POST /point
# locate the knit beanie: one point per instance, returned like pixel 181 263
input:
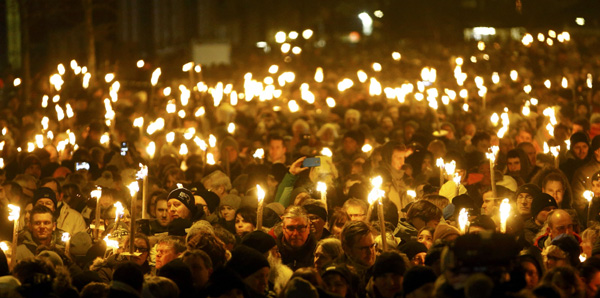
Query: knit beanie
pixel 185 197
pixel 389 262
pixel 412 248
pixel 528 188
pixel 80 243
pixel 259 240
pixel 579 137
pixel 417 277
pixel 246 261
pixel 44 193
pixel 51 256
pixel 232 201
pixel 541 201
pixel 316 210
pixel 276 207
pixel 442 231
pixel 212 199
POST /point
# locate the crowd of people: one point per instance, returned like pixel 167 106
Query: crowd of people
pixel 193 228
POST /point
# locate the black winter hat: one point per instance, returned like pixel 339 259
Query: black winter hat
pixel 579 137
pixel 412 248
pixel 259 240
pixel 389 262
pixel 528 188
pixel 417 277
pixel 184 196
pixel 246 261
pixel 212 199
pixel 541 201
pixel 316 210
pixel 44 193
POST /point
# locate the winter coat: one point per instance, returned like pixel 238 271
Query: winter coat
pixel 69 220
pixel 297 257
pixel 582 182
pixel 27 247
pixel 530 230
pixel 406 231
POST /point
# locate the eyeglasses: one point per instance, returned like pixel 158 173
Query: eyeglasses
pixel 299 228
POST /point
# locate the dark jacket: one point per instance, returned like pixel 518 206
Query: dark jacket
pixel 297 258
pixel 530 230
pixel 406 231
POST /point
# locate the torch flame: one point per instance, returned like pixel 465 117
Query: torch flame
pixel 463 220
pixel 110 243
pixel 321 187
pixel 14 212
pixel 210 159
pixel 439 162
pixel 504 213
pixel 326 152
pixel 97 193
pixel 260 193
pixel 588 195
pixel 120 210
pixel 450 167
pixel 65 237
pixel 134 187
pixel 259 153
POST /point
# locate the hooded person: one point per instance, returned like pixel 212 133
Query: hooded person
pixel 578 154
pixel 532 264
pixel 553 182
pixel 208 201
pixel 230 149
pixel 581 178
pixel 252 267
pixel 396 182
pixel 229 205
pixel 541 205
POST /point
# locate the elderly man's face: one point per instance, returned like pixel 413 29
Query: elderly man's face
pixel 560 225
pixel 296 231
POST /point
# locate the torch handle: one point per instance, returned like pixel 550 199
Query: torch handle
pixel 259 217
pixel 382 224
